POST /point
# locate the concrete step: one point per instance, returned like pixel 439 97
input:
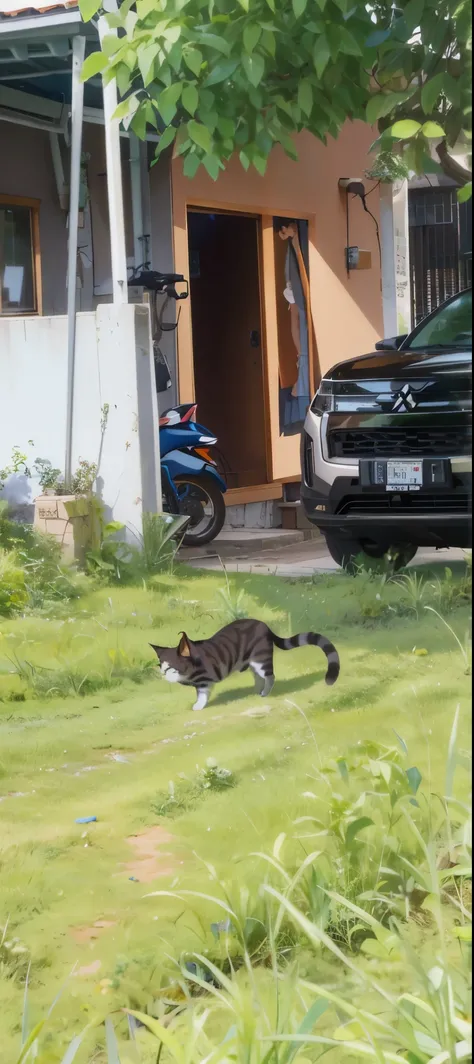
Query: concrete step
pixel 240 542
pixel 293 515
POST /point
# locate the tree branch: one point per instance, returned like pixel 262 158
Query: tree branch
pixel 451 167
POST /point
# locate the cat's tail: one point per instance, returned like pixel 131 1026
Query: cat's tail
pixel 315 640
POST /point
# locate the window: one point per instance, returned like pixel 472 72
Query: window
pixel 20 274
pixel 450 326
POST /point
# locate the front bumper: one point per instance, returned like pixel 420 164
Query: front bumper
pixel 334 499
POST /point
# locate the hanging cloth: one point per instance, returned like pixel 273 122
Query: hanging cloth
pixel 294 401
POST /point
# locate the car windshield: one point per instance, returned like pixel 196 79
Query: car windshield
pixel 450 326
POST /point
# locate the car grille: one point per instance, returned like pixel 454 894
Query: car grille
pixel 450 502
pixel 399 443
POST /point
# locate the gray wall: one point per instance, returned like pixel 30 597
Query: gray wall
pixel 26 169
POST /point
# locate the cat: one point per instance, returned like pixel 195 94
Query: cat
pixel 239 646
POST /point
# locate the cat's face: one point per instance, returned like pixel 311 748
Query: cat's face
pixel 177 664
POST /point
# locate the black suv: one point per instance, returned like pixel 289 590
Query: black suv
pixel 386 447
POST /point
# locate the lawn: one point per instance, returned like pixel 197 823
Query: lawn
pixel 89 729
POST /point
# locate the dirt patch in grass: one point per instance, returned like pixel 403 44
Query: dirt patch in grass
pixel 91 932
pixel 150 860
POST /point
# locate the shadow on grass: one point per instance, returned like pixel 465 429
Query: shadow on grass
pixel 282 687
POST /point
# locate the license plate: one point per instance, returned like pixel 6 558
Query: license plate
pixel 404 476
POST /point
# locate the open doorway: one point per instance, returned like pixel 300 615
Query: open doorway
pixel 227 339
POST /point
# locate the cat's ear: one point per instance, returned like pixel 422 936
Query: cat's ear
pixel 158 650
pixel 184 649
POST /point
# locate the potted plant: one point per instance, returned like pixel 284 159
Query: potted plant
pixel 69 511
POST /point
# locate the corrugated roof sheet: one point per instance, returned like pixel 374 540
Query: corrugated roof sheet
pixel 30 7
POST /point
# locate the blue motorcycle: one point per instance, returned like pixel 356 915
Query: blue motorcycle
pixel 190 481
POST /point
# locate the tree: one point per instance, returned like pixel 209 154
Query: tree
pixel 219 77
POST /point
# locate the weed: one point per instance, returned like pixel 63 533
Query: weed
pixel 13 593
pixel 159 541
pixel 233 605
pixel 414 588
pixel 214 778
pixel 465 648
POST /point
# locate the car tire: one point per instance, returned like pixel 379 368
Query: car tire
pixel 347 552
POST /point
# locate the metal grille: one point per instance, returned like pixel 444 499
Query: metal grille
pixel 447 502
pixel 440 249
pixel 399 443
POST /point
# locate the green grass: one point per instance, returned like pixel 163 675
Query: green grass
pixel 77 690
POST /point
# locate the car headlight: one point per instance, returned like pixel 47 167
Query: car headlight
pixel 344 398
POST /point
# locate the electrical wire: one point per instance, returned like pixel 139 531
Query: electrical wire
pixel 377 230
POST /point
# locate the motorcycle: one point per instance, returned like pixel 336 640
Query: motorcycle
pixel 191 483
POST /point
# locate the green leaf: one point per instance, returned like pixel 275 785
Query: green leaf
pixel 254 67
pixel 356 826
pixel 110 44
pixel 191 165
pixel 260 163
pixel 321 55
pixel 414 778
pixel 379 106
pixel 376 38
pixel 299 7
pixel 138 124
pixel 431 91
pixel 146 58
pixel 412 13
pixel 212 165
pixel 305 97
pixel 200 135
pixel 166 138
pixel 226 127
pixel 405 129
pixel 168 100
pixel 221 71
pixel 190 99
pixel 94 63
pixel 213 40
pixel 465 193
pixel 89 8
pixel 432 129
pixel 193 59
pixel 251 36
pixel 348 43
pixel 127 108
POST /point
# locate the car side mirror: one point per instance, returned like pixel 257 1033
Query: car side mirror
pixel 391 344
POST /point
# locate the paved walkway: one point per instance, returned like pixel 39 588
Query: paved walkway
pixel 294 559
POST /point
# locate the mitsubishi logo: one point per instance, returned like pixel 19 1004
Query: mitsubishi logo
pixel 405 399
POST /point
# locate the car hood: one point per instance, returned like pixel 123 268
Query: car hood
pixel 392 365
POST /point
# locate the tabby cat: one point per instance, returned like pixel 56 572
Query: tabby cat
pixel 239 646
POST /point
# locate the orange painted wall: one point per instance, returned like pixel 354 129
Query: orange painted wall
pixel 347 312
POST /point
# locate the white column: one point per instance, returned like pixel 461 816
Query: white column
pixel 402 256
pixel 114 183
pixel 396 296
pixel 387 239
pixel 77 106
pixel 137 206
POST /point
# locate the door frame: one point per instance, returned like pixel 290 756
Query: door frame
pixel 282 452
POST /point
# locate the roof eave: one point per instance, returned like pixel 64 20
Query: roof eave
pixel 52 23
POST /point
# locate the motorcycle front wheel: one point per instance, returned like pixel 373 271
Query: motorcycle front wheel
pixel 200 499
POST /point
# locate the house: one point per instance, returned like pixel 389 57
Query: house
pixel 66 352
